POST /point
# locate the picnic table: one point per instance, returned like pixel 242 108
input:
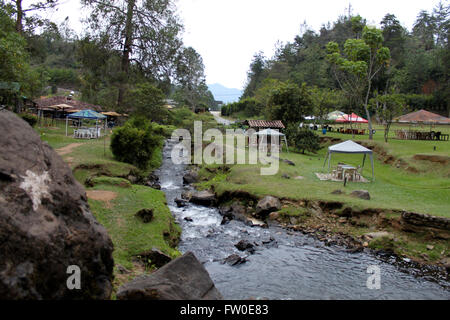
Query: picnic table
pixel 421 135
pixel 351 131
pixel 348 171
pixel 87 133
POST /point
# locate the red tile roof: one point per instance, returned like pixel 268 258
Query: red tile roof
pixel 423 116
pixel 53 101
pixel 265 124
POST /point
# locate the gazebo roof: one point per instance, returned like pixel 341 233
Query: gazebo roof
pixel 348 147
pixel 334 115
pixel 269 132
pixel 87 114
pixel 347 118
pixel 423 116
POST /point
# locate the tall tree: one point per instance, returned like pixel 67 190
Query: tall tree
pixel 144 31
pixel 363 59
pixel 289 103
pixel 424 29
pixel 255 75
pixel 23 7
pixel 191 76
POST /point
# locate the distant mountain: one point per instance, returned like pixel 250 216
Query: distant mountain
pixel 224 94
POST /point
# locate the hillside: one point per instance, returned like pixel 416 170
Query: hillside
pixel 224 94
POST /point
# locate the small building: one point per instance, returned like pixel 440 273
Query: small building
pixel 264 124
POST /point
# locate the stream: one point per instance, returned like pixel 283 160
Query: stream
pixel 291 266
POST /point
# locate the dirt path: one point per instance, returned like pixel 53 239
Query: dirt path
pixel 68 149
pixel 102 195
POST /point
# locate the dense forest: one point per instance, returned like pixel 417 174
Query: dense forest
pixel 351 66
pixel 130 56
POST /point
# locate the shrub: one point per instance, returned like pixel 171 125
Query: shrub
pixel 136 142
pixel 303 139
pixel 32 120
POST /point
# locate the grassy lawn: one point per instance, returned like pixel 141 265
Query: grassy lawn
pixel 427 191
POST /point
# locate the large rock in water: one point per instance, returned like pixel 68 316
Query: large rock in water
pixel 45 223
pixel 267 205
pixel 184 278
pixel 205 198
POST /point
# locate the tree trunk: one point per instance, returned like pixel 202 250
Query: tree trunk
pixel 19 27
pixel 125 65
pixel 367 111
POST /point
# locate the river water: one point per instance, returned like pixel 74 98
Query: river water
pixel 293 266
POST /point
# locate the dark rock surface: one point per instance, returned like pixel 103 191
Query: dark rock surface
pixel 181 202
pixel 289 162
pixel 45 223
pixel 245 245
pixel 145 215
pixel 234 260
pixel 267 205
pixel 184 278
pixel 362 194
pixel 154 257
pixel 190 177
pixel 205 198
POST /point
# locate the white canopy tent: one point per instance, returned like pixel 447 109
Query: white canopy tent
pixel 350 147
pixel 271 132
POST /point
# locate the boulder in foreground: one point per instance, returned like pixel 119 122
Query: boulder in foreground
pixel 184 278
pixel 45 223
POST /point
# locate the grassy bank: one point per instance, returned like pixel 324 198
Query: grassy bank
pixel 114 200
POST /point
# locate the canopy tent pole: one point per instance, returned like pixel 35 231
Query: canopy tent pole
pixel 285 141
pixel 67 121
pixel 326 157
pixel 329 161
pixel 364 160
pixel 373 170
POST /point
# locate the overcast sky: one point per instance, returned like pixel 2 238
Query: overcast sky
pixel 227 33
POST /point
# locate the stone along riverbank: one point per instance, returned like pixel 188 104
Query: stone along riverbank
pixel 252 262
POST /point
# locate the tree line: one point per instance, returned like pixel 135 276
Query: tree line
pixel 130 56
pixel 352 66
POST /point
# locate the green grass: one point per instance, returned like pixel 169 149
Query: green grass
pixel 93 160
pixel 393 188
pixel 129 235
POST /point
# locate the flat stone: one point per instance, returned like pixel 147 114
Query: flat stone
pixel 362 194
pixel 289 162
pixel 205 197
pixel 234 260
pixel 185 278
pixel 378 235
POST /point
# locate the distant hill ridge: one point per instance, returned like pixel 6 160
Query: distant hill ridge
pixel 224 94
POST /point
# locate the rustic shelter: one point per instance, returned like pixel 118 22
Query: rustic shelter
pixel 423 116
pixel 264 124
